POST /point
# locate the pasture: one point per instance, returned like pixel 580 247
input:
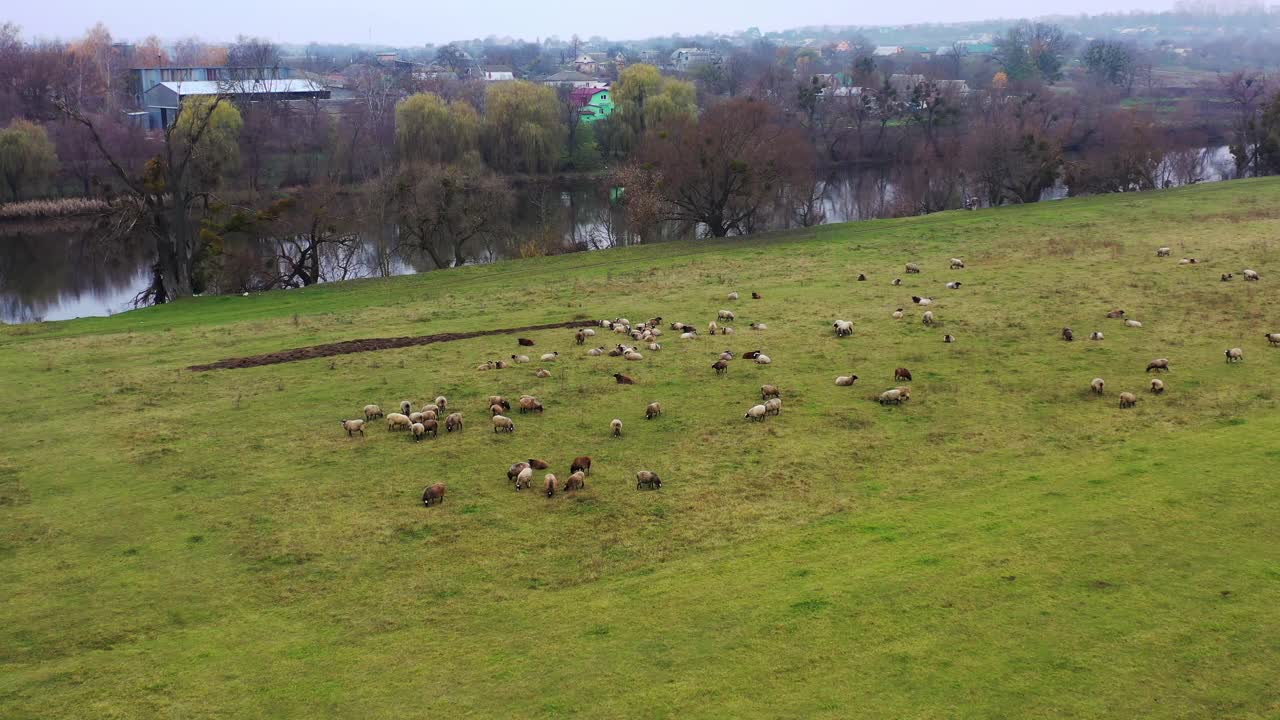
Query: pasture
pixel 1004 544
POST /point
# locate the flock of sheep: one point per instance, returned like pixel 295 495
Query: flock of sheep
pixel 425 422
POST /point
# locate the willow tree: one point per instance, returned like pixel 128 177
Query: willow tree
pixel 523 130
pixel 28 160
pixel 428 129
pixel 197 150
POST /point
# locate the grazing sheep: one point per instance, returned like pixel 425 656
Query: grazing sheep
pixel 756 296
pixel 596 352
pixel 1128 399
pixel 1157 386
pixel 726 330
pixel 579 337
pixel 520 359
pixel 1226 277
pixel 499 400
pixel 756 412
pixel 581 463
pixel 632 355
pixel 1117 313
pixel 1187 261
pixel 957 264
pixel 616 426
pixel 758 326
pixel 896 282
pixel 927 318
pixel 690 335
pixel 453 422
pixel 372 412
pixel 861 277
pixel 496 410
pixel 1158 364
pixel 653 410
pixel 891 396
pixel 525 342
pixel 431 427
pixel 514 470
pixel 648 478
pixel 913 269
pixel 1097 385
pixel 1234 355
pixel 406 407
pixel 538 464
pixel 623 379
pixel 442 403
pixel 712 327
pixel 417 430
pixel 502 423
pixel 1163 252
pixel 901 374
pixel 654 346
pixel 897 314
pixel 768 391
pixel 843 328
pixel 433 494
pixel 1067 334
pixel 524 478
pixel 1132 323
pixel 1095 335
pixel 430 415
pixel 773 406
pixel 576 481
pixel 397 421
pixel 733 296
pixel 725 315
pixel 353 426
pixel 904 393
pixel 550 357
pixel 846 380
pixel 1273 338
pixel 953 285
pixel 415 417
pixel 720 366
pixel 948 338
pixel 762 359
pixel 433 408
pixel 530 404
pixel 1250 274
pixel 542 373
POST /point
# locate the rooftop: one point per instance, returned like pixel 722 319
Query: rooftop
pixel 235 87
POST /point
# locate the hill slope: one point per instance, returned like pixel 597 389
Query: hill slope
pixel 1005 544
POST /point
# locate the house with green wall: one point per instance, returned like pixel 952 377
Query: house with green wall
pixel 592 103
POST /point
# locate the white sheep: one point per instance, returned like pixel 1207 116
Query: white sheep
pixel 726 330
pixel 632 355
pixel 520 358
pixel 763 359
pixel 759 326
pixel 353 426
pixel 773 406
pixel 927 318
pixel 550 357
pixel 418 430
pixel 502 423
pixel 406 407
pixel 843 328
pixel 441 403
pixel 397 421
pixel 372 412
pixel 655 346
pixel 596 352
pixel 1157 386
pixel 1097 385
pixel 1234 355
pixel 1132 323
pixel 588 332
pixel 1163 251
pixel 957 264
pixel 1250 274
pixel 1128 399
pixel 897 314
pixel 542 373
pixel 912 268
pixel 891 396
pixel 756 412
pixel 953 285
pixel 616 426
pixel 524 477
pixel 1095 335
pixel 845 380
pixel 733 296
pixel 948 338
pixel 725 315
pixel 688 336
pixel 712 327
pixel 1273 338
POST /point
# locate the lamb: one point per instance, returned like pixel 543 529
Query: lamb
pixel 756 296
pixel 712 327
pixel 530 404
pixel 1234 355
pixel 948 338
pixel 1158 364
pixel 550 357
pixel 891 396
pixel 957 264
pixel 1132 323
pixel 725 315
pixel 1273 338
pixel 1067 334
pixel 758 326
pixel 502 423
pixel 1128 399
pixel 1095 335
pixel 632 355
pixel 720 366
pixel 756 412
pixel 433 494
pixel 896 282
pixel 1117 313
pixel 897 314
pixel 768 391
pixel 843 328
pixel 499 400
pixel 1163 252
pixel 538 464
pixel 648 478
pixel 861 277
pixel 1250 274
pixel 773 406
pixel 417 430
pixel 397 421
pixel 406 407
pixel 542 373
pixel 520 359
pixel 953 285
pixel 733 296
pixel 372 412
pixel 913 269
pixel 901 374
pixel 616 426
pixel 581 463
pixel 762 359
pixel 653 410
pixel 453 422
pixel 654 346
pixel 623 379
pixel 524 478
pixel 1226 277
pixel 846 380
pixel 1097 385
pixel 1157 386
pixel 524 342
pixel 575 481
pixel 927 318
pixel 353 426
pixel 596 352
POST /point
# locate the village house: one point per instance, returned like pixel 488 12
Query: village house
pixel 573 79
pixel 163 101
pixel 690 59
pixel 498 73
pixel 592 104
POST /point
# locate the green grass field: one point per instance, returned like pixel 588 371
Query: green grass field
pixel 1005 545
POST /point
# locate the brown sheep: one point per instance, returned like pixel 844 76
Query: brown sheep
pixel 623 379
pixel 756 296
pixel 581 463
pixel 499 400
pixel 431 427
pixel 580 337
pixel 768 391
pixel 653 411
pixel 538 464
pixel 513 472
pixel 1067 334
pixel 1158 364
pixel 525 342
pixel 901 374
pixel 496 410
pixel 1157 386
pixel 529 404
pixel 1128 399
pixel 549 484
pixel 1117 313
pixel 720 366
pixel 453 422
pixel 575 482
pixel 433 494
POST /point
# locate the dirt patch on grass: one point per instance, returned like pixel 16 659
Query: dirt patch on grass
pixel 347 347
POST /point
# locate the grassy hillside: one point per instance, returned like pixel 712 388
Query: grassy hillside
pixel 200 545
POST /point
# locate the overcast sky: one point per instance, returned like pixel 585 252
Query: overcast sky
pixel 414 22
